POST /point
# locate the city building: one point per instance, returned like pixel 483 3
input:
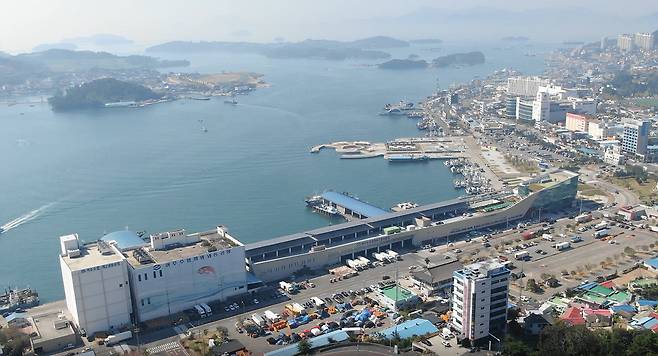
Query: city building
pixel 525 86
pixel 123 279
pixel 635 136
pixel 644 41
pixel 541 107
pixel 524 109
pixel 598 130
pixel 479 300
pixel 396 297
pixel 578 122
pixel 613 156
pixel 625 43
pixel 436 278
pixel 51 332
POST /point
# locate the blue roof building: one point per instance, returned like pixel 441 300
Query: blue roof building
pixel 126 240
pixel 318 341
pixel 353 205
pixel 410 328
pixel 652 263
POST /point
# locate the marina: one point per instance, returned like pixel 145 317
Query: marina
pixel 17 299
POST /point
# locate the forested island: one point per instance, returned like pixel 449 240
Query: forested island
pixel 470 58
pixel 366 48
pixel 404 64
pixel 98 93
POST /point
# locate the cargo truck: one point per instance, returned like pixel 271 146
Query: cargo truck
pixel 318 302
pixel 562 245
pixel 365 261
pixel 522 255
pixel 583 218
pixel 116 338
pixel 601 233
pixel 272 316
pixel 393 254
pixel 600 226
pixel 288 287
pixel 392 230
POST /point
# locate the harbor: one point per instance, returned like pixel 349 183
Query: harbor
pixel 399 150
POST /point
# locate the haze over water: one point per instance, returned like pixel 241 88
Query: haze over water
pixel 154 169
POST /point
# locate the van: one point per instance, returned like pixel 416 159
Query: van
pixel 207 308
pixel 200 311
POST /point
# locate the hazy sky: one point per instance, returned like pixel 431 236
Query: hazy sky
pixel 26 23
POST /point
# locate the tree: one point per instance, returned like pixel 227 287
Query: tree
pixel 561 339
pixel 304 347
pixel 644 343
pixel 629 251
pixel 513 347
pixel 532 285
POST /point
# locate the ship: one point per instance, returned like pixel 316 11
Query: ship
pixel 2 230
pixel 15 299
pixel 407 158
pixel 404 206
pixel 317 203
pixel 401 108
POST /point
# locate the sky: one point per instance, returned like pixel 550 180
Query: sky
pixel 27 23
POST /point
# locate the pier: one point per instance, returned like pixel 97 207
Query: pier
pixel 350 207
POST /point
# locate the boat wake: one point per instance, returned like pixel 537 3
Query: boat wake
pixel 25 218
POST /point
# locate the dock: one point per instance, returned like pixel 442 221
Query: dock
pixel 429 147
pixel 350 207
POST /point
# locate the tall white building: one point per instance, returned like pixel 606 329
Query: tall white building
pixel 96 285
pixel 644 41
pixel 525 86
pixel 635 136
pixel 123 279
pixel 541 107
pixel 479 300
pixel 625 43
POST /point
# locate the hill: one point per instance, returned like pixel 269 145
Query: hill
pixel 366 48
pixel 97 93
pixel 64 60
pixel 469 58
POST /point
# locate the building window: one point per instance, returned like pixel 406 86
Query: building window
pixel 142 302
pixel 154 275
pixel 139 277
pixel 120 285
pixel 160 273
pixel 146 277
pixel 149 300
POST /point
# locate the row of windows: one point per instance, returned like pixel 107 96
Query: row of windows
pixel 146 275
pixel 498 290
pixel 292 265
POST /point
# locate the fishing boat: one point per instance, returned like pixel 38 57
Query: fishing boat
pixel 232 101
pixel 14 299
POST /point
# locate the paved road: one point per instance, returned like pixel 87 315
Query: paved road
pixel 623 198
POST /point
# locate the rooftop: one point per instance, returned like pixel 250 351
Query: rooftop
pixel 126 240
pixel 410 328
pixel 396 293
pixel 90 256
pixel 208 241
pixel 353 204
pixel 482 269
pixel 51 326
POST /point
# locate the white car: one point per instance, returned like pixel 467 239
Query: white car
pixel 445 343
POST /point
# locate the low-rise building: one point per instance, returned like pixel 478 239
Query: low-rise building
pixel 436 278
pixel 631 213
pixel 51 332
pixel 396 297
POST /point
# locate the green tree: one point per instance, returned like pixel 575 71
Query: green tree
pixel 644 342
pixel 513 347
pixel 560 339
pixel 304 347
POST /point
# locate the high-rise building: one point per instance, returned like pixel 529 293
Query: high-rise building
pixel 523 109
pixel 479 300
pixel 577 122
pixel 625 43
pixel 635 137
pixel 541 107
pixel 525 86
pixel 644 41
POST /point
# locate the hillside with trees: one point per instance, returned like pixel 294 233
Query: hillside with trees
pixel 97 93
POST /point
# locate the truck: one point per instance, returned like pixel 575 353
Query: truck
pixel 365 261
pixel 271 316
pixel 116 338
pixel 393 254
pixel 207 308
pixel 576 239
pixel 288 287
pixel 381 257
pixel 583 218
pixel 199 310
pixel 601 233
pixel 258 320
pixel 298 308
pixel 354 264
pixel 600 226
pixel 527 235
pixel 562 245
pixel 318 302
pixel 547 237
pixel 522 255
pixel 392 230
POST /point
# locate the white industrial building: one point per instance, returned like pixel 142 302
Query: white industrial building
pixel 123 279
pixel 479 300
pixel 635 137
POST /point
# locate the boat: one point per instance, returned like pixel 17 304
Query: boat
pixel 200 98
pixel 2 230
pixel 14 299
pixel 204 129
pixel 318 204
pixel 407 158
pixel 404 206
pixel 401 108
pixel 233 101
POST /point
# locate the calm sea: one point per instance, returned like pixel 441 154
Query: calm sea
pixel 154 169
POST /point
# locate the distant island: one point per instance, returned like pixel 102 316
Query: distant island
pixel 366 48
pixel 426 41
pixel 98 93
pixel 573 43
pixel 404 64
pixel 515 38
pixel 469 58
pixel 59 64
